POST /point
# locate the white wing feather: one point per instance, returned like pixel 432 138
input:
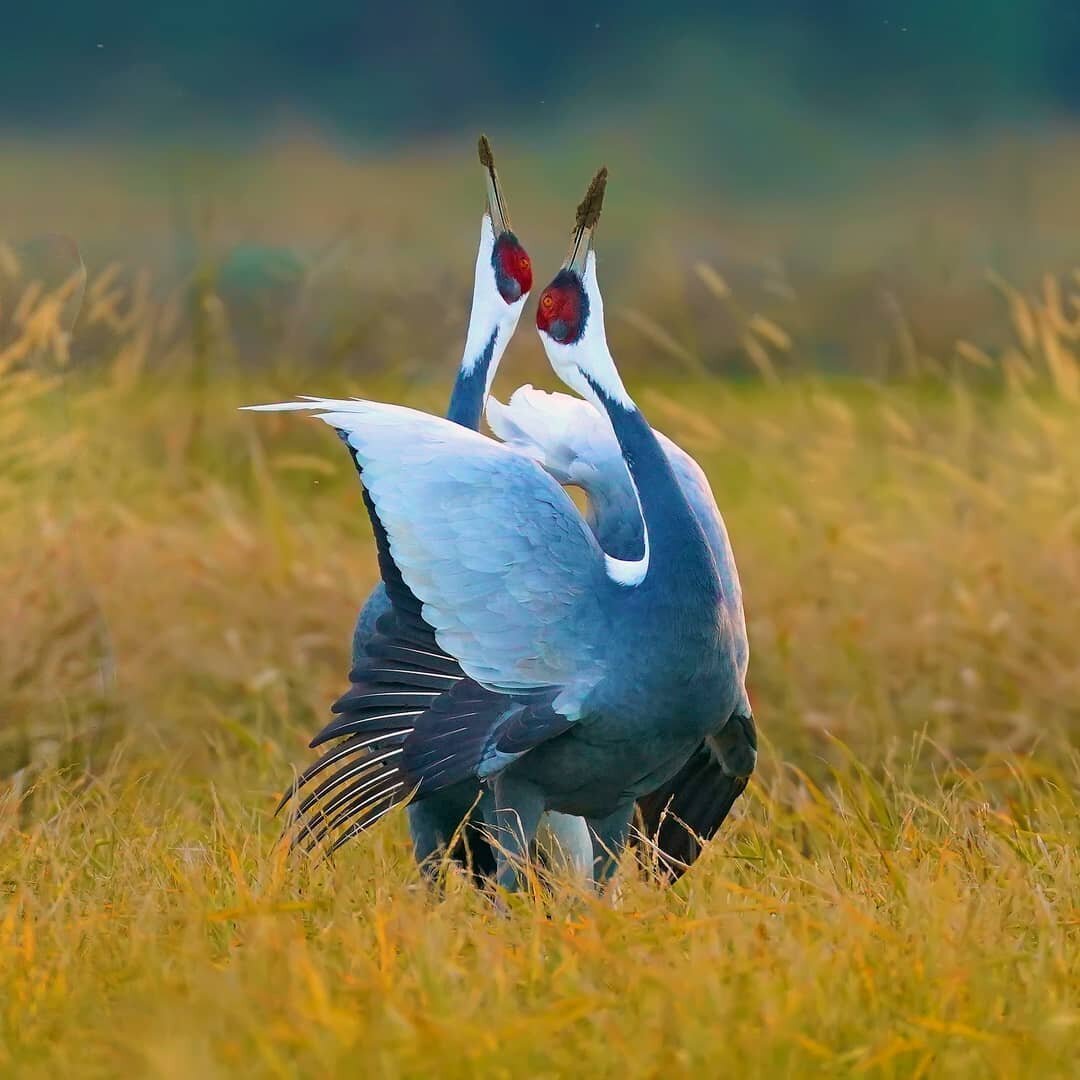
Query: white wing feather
pixel 508 574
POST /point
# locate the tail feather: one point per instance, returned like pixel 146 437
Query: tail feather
pixel 687 811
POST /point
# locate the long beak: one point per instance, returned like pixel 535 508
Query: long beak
pixel 588 216
pixel 496 201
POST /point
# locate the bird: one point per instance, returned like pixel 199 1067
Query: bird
pixel 676 818
pixel 574 443
pixel 502 281
pixel 516 650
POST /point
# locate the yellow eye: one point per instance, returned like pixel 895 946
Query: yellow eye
pixel 548 302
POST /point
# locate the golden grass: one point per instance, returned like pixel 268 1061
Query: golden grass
pixel 897 895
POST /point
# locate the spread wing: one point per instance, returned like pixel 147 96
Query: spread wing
pixel 496 625
pixel 505 569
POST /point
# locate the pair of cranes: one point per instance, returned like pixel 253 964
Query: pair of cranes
pixel 521 667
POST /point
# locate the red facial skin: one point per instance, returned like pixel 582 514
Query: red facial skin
pixel 513 268
pixel 563 309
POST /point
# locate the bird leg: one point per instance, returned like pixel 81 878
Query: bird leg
pixel 566 844
pixel 610 835
pixel 519 806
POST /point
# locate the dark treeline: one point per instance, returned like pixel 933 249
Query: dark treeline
pixel 420 67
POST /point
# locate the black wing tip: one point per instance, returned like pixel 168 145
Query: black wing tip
pixel 487 158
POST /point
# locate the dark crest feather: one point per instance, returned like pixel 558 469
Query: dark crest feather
pixel 588 211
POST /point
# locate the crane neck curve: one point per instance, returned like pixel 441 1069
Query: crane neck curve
pixel 674 541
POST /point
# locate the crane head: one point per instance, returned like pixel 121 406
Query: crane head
pixel 510 262
pixel 564 305
pixel 563 309
pixel 570 318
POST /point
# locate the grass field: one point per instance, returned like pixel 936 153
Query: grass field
pixel 898 895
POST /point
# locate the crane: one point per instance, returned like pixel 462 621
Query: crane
pixel 575 444
pixel 516 650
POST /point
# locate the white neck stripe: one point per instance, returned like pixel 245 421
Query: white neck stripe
pixel 583 366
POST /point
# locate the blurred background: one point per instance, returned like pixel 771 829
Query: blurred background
pixel 845 168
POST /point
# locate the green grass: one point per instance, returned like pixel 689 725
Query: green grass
pixel 896 896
